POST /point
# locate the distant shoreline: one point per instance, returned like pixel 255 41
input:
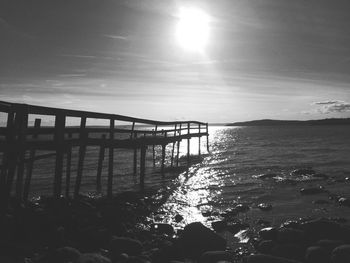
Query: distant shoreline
pixel 269 122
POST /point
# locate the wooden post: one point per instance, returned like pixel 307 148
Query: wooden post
pixel 207 137
pixel 68 166
pixel 143 166
pixel 188 143
pixel 153 149
pixel 8 162
pixel 110 160
pixel 134 135
pixel 178 147
pixel 82 150
pixel 163 158
pixel 199 140
pixel 30 164
pixel 60 122
pixel 101 157
pixel 21 123
pixel 172 151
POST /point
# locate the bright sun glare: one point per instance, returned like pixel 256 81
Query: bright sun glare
pixel 192 31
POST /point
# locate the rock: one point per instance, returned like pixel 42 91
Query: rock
pixel 93 258
pixel 265 207
pixel 268 233
pixel 303 171
pixel 262 258
pixel 134 259
pixel 236 227
pixel 67 254
pixel 214 257
pixel 290 235
pixel 313 190
pixel 316 254
pixel 168 253
pixel 219 226
pixel 341 254
pixel 266 176
pixel 263 222
pixel 290 251
pixel 329 245
pixel 119 245
pixel 197 239
pixel 325 229
pixel 161 228
pixel 266 246
pixel 206 213
pixel 242 208
pixel 291 224
pixel 344 201
pixel 178 218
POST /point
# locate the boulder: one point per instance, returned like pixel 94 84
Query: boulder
pixel 268 233
pixel 302 171
pixel 66 254
pixel 219 226
pixel 197 239
pixel 290 235
pixel 262 258
pixel 265 176
pixel 325 229
pixel 265 246
pixel 344 201
pixel 162 228
pixel 265 207
pixel 119 245
pixel 93 258
pixel 328 244
pixel 290 251
pixel 214 256
pixel 316 254
pixel 341 254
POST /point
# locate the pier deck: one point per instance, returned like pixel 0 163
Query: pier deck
pixel 23 136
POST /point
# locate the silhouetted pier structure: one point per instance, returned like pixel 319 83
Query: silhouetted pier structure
pixel 20 143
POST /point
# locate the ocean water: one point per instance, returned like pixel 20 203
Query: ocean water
pixel 229 175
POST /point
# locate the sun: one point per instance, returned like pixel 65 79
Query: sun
pixel 192 30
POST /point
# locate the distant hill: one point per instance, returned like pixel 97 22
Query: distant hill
pixel 267 122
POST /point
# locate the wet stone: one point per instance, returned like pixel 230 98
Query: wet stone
pixel 303 171
pixel 263 222
pixel 93 258
pixel 162 228
pixel 316 254
pixel 266 246
pixel 242 208
pixel 197 239
pixel 262 258
pixel 290 251
pixel 344 201
pixel 341 254
pixel 265 207
pixel 120 245
pixel 266 176
pixel 219 226
pixel 214 257
pixel 320 202
pixel 290 235
pixel 268 233
pixel 178 218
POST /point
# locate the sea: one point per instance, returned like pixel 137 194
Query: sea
pixel 231 173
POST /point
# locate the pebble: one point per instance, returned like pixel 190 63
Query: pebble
pixel 265 207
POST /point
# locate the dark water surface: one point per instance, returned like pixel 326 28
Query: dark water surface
pixel 230 173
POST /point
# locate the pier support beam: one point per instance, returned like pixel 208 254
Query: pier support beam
pixel 82 150
pixel 188 144
pixel 60 123
pixel 163 159
pixel 110 160
pixel 101 157
pixel 143 166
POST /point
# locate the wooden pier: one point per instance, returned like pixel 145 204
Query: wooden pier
pixel 20 143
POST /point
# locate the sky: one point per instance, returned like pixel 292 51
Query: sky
pixel 276 59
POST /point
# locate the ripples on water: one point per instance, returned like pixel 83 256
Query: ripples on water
pixel 228 175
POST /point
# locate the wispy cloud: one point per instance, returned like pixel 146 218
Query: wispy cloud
pixel 116 37
pixel 333 106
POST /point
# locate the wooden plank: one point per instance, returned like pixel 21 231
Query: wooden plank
pixel 153 147
pixel 188 144
pixel 178 148
pixel 60 123
pixel 173 149
pixel 30 163
pixel 110 160
pixel 101 157
pixel 82 151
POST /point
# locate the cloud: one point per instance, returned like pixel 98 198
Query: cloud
pixel 333 106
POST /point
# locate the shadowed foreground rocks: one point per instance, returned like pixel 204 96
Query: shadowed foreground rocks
pixel 118 230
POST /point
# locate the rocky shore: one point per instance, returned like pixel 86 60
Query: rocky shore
pixel 119 230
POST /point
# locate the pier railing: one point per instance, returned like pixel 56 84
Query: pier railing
pixel 20 140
